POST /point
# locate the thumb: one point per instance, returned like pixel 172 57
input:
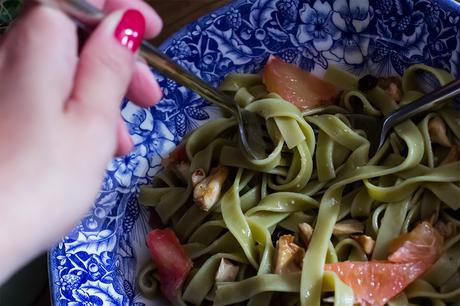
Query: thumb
pixel 106 66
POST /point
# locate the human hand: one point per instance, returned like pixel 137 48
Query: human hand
pixel 59 118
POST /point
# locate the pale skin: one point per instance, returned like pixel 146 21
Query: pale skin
pixel 60 121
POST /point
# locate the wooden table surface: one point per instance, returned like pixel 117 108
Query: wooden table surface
pixel 177 13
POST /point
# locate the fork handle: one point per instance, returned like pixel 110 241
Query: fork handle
pixel 87 16
pixel 169 68
pixel 424 103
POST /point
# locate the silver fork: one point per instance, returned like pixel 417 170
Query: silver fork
pixel 251 126
pixel 377 130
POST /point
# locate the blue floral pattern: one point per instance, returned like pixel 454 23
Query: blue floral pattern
pixel 96 264
pixel 317 27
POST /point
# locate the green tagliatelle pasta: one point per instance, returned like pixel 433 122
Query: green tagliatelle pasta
pixel 317 171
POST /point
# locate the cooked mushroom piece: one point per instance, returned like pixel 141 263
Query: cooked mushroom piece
pixel 394 92
pixel 438 132
pixel 305 233
pixel 348 227
pixel 177 162
pixel 366 242
pixel 227 271
pixel 392 86
pixel 197 176
pixel 207 192
pixel 288 255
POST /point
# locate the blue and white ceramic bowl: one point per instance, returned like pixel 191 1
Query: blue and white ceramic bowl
pixel 97 263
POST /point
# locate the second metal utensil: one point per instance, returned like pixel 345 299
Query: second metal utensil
pixel 377 129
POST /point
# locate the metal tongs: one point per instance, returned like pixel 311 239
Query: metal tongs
pixel 250 125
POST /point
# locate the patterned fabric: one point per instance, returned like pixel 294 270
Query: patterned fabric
pixel 97 263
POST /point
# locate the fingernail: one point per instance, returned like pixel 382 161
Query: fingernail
pixel 130 30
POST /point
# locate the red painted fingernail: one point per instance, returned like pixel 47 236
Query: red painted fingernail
pixel 130 30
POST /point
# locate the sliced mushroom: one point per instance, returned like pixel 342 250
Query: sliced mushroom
pixel 366 242
pixel 288 256
pixel 305 233
pixel 394 92
pixel 392 86
pixel 438 132
pixel 177 161
pixel 348 227
pixel 207 192
pixel 197 176
pixel 227 271
pixel 452 156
